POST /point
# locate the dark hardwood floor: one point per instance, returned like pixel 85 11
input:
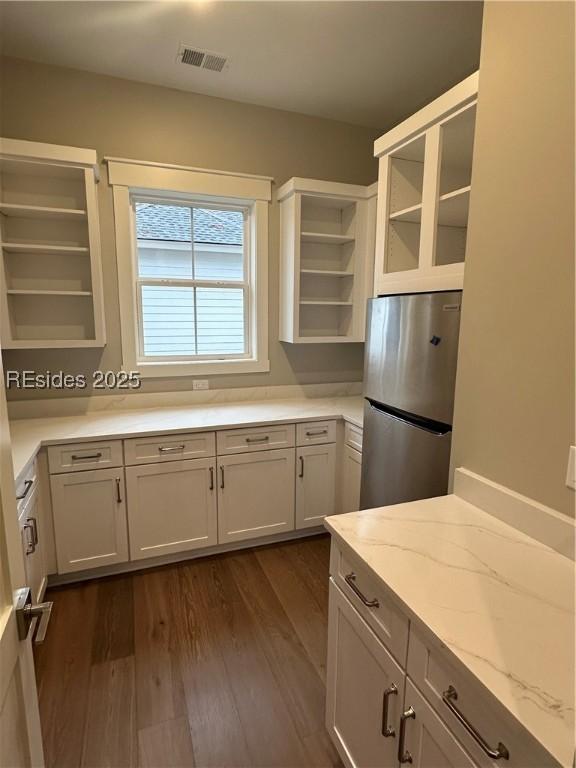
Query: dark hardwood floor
pixel 214 662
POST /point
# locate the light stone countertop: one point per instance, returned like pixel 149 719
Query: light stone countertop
pixel 500 601
pixel 29 434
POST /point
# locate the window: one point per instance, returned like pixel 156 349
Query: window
pixel 193 281
pixel 192 271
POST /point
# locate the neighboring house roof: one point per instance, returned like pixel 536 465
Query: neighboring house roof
pixel 172 222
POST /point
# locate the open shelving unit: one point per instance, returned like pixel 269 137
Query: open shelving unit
pixel 50 275
pixel 326 252
pixel 425 169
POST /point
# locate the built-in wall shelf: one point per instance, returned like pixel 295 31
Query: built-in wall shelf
pixel 325 237
pixel 327 251
pixel 43 248
pixel 412 214
pixel 424 178
pixel 25 292
pixel 41 212
pixel 50 271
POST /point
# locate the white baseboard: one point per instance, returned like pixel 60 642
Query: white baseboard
pixel 532 518
pixel 119 401
pixel 59 579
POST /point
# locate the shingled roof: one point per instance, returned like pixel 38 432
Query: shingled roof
pixel 172 222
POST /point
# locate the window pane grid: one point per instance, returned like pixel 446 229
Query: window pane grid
pixel 192 286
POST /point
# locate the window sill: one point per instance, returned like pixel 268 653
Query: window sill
pixel 201 368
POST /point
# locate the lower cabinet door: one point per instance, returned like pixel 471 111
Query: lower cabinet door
pixel 89 519
pixel 315 484
pixel 362 707
pixel 351 475
pixel 255 494
pixel 32 529
pixel 171 507
pixel 426 741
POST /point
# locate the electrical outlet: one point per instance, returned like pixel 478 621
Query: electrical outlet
pixel 201 384
pixel 571 471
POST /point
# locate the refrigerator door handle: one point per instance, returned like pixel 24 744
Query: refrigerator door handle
pixel 434 427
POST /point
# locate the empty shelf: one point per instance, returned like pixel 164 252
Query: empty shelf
pixel 40 292
pixel 327 303
pixel 453 208
pixel 322 237
pixel 412 214
pixel 41 248
pixel 41 212
pixel 327 272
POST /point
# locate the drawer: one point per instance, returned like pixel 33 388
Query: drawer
pixel 371 601
pixel 436 676
pixel 316 432
pixel 255 439
pixel 75 457
pixel 151 450
pixel 353 436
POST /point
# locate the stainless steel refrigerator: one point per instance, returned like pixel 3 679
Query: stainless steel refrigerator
pixel 409 379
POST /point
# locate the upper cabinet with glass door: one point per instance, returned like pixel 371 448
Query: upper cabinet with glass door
pixel 425 168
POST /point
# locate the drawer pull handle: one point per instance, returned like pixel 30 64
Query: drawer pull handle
pixel 118 494
pixel 170 448
pixel 29 535
pixel 301 473
pixel 317 433
pixel 404 756
pixel 211 470
pixel 27 485
pixel 258 439
pixel 78 457
pixel 34 523
pixel 387 730
pixel 501 752
pixel 221 477
pixel 350 579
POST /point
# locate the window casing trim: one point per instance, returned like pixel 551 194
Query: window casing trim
pixel 256 223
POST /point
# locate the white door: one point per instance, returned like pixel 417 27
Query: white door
pixel 365 690
pixel 427 742
pixel 255 494
pixel 20 735
pixel 171 507
pixel 351 475
pixel 89 511
pixel 315 484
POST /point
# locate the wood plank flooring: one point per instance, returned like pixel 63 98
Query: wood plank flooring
pixel 214 662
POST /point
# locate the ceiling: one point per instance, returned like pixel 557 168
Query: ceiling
pixel 368 63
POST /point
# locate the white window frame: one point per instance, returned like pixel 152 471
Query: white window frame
pixel 133 182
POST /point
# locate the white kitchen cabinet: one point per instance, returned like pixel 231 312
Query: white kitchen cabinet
pixel 50 276
pixel 89 511
pixel 171 507
pixel 255 494
pixel 351 477
pixel 424 182
pixel 31 524
pixel 365 690
pixel 327 235
pixel 425 741
pixel 315 484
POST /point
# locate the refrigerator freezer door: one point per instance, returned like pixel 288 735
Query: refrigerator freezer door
pixel 401 462
pixel 411 352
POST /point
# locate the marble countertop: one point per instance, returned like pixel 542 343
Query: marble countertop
pixel 444 559
pixel 29 434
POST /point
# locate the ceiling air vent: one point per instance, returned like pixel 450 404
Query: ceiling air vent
pixel 194 57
